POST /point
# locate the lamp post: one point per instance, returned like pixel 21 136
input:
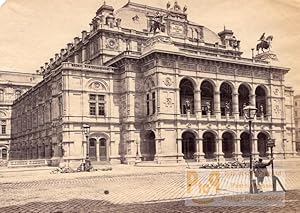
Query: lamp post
pixel 249 114
pixel 271 144
pixel 86 129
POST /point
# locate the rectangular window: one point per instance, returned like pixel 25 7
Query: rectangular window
pixel 101 109
pixel 92 108
pixel 148 104
pixel 97 104
pixel 153 103
pixel 3 127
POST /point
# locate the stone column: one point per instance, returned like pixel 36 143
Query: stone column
pixel 255 152
pixel 238 153
pixel 0 153
pixel 269 108
pixel 97 150
pixel 199 150
pixel 220 153
pixel 197 98
pixel 217 110
pixel 179 150
pixel 177 102
pixel 252 98
pixel 76 58
pixel 84 56
pixel 235 105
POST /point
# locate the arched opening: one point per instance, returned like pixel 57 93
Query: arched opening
pixel 188 145
pixel 209 145
pixel 261 100
pixel 4 154
pixel 262 140
pixel 244 94
pixel 103 149
pixel 207 98
pixel 228 144
pixel 92 149
pixel 186 96
pixel 245 144
pixel 226 99
pixel 149 149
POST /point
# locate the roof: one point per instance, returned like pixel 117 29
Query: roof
pixel 134 16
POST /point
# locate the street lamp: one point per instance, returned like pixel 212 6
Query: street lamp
pixel 249 114
pixel 86 129
pixel 271 144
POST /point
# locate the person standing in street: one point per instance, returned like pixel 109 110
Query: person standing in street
pixel 261 171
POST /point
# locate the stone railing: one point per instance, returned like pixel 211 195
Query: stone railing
pixel 27 163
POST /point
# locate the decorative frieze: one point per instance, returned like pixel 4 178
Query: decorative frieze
pixel 227 70
pixel 244 72
pixel 187 66
pixel 148 66
pixel 169 64
pixel 168 82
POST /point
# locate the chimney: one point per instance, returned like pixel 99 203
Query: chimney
pixel 46 65
pixel 91 27
pixel 42 69
pixel 62 52
pixel 56 56
pixel 69 45
pixel 51 60
pixel 83 34
pixel 76 40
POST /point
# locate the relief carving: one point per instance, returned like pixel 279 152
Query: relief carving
pixel 168 82
pixel 111 43
pixel 97 86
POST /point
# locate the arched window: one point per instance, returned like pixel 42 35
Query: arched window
pixel 186 96
pixel 243 98
pixel 207 98
pixel 226 96
pixel 261 101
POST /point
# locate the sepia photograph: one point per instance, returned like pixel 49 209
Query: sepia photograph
pixel 141 106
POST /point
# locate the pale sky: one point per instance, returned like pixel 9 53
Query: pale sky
pixel 32 31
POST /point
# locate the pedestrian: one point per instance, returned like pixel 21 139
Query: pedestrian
pixel 261 171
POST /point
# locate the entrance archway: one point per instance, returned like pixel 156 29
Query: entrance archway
pixel 188 145
pixel 209 145
pixel 228 144
pixel 262 140
pixel 149 148
pixel 92 149
pixel 103 149
pixel 245 144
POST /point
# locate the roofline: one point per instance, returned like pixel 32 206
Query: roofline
pixel 20 73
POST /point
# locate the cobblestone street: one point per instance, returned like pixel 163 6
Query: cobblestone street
pixel 131 189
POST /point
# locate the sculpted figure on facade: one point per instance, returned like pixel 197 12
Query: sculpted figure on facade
pixel 157 23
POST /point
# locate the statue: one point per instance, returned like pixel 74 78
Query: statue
pixel 176 6
pixel 184 9
pixel 265 43
pixel 188 105
pixel 157 23
pixel 168 5
pixel 227 107
pixel 234 43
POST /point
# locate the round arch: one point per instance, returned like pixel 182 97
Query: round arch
pixel 148 146
pixel 209 144
pixel 207 88
pixel 245 143
pixel 244 92
pixel 262 140
pixel 188 144
pixel 228 144
pixel 226 90
pixel 261 94
pixel 187 88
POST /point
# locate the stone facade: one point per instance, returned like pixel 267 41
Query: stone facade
pixel 12 86
pixel 297 121
pixel 152 96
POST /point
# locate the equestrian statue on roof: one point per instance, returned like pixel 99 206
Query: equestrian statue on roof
pixel 265 43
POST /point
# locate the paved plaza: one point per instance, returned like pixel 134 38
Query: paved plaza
pixel 130 189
